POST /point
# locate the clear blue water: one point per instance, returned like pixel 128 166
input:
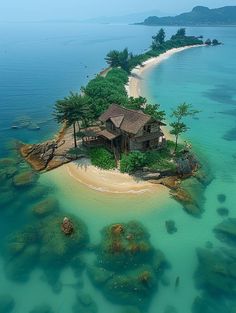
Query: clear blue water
pixel 41 63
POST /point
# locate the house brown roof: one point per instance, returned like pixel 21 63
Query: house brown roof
pixel 131 122
pixel 117 120
pixel 109 135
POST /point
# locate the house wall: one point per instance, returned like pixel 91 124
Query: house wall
pixel 135 145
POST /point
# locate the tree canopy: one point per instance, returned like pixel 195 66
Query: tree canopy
pixel 158 39
pixel 72 109
pixel 178 126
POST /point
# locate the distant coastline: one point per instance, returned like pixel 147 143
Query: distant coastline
pixel 199 16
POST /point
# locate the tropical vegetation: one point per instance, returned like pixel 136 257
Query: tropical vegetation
pixel 83 110
pixel 178 127
pixel 72 110
pixel 102 158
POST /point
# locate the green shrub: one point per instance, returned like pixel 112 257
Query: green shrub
pixel 102 158
pixel 132 162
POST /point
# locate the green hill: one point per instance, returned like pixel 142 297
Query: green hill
pixel 199 16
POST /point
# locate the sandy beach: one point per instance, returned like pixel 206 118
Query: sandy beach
pixel 133 87
pixel 111 181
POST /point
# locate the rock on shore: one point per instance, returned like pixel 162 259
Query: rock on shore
pixel 50 154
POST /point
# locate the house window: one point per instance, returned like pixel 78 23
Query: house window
pixel 147 128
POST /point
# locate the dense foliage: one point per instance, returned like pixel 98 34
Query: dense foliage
pixel 102 158
pixel 103 91
pixel 133 161
pixel 158 46
pixel 154 160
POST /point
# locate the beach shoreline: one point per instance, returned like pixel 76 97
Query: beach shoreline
pixel 109 181
pixel 112 181
pixel 133 86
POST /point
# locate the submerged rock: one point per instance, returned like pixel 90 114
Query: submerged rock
pixel 226 231
pixel 45 207
pixel 7 303
pixel 191 195
pixel 24 179
pixel 207 304
pixel 20 267
pixel 7 162
pixel 170 227
pixel 43 244
pixel 221 198
pixel 215 273
pixel 127 268
pixel 223 211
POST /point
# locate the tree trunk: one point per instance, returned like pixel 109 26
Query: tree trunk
pixel 75 142
pixel 176 143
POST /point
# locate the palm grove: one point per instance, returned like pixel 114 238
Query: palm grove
pixel 83 109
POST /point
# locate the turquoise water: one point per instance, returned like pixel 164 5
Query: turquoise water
pixel 41 63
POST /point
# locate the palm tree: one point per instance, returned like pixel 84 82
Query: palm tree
pixel 117 58
pixel 71 110
pixel 112 58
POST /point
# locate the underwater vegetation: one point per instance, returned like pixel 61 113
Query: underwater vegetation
pixel 127 268
pixel 216 272
pixel 44 244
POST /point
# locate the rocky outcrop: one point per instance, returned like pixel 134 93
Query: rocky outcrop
pixel 50 154
pixel 186 164
pixel 67 226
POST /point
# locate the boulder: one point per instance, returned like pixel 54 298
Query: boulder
pixel 151 176
pixel 186 164
pixel 39 155
pixel 67 226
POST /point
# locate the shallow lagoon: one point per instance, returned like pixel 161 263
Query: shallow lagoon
pixel 199 84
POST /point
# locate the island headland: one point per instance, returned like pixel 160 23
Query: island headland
pixel 111 130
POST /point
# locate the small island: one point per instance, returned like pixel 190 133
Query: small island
pixel 116 131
